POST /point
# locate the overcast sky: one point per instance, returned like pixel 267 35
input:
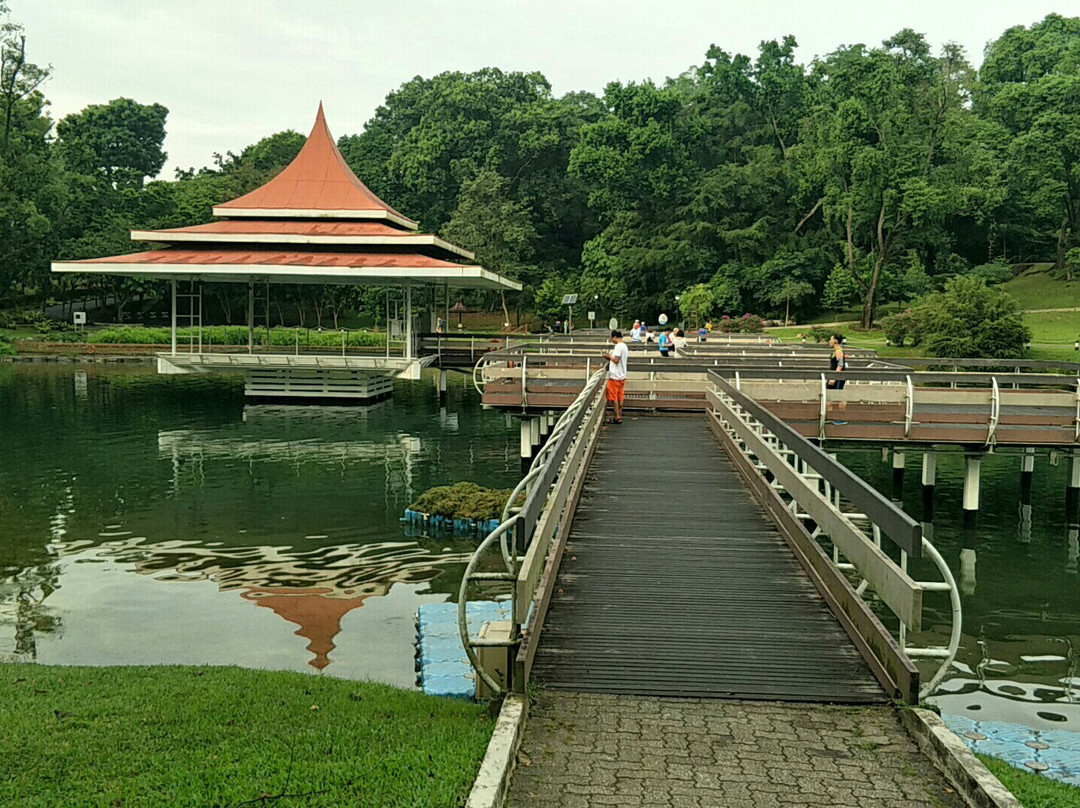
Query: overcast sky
pixel 233 71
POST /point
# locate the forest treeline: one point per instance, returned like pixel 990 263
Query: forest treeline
pixel 747 183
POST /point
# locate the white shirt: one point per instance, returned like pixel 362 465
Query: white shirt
pixel 617 369
pixel 635 334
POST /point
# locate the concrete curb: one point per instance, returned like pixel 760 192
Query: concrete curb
pixel 489 788
pixel 974 782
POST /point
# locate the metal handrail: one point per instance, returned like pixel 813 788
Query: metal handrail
pixel 896 524
pixel 818 468
pixel 537 483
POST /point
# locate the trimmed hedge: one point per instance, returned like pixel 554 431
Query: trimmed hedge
pixel 235 335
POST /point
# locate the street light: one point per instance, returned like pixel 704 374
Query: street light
pixel 569 301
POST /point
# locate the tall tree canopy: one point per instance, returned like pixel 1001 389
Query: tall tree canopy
pixel 746 183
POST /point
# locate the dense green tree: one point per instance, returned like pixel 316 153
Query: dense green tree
pixel 888 150
pixel 499 230
pixel 122 141
pixel 1029 89
pixel 31 184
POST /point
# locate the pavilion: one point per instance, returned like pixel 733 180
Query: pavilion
pixel 314 223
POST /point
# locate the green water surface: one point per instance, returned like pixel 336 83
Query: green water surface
pixel 155 519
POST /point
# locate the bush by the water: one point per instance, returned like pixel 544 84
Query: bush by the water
pixel 462 501
pixel 235 335
pixel 968 319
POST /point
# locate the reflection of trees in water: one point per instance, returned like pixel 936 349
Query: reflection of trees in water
pixel 23 609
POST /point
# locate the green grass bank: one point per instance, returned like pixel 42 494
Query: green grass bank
pixel 1032 790
pixel 152 736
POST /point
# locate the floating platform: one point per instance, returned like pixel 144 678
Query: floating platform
pixel 1054 753
pixel 441 664
pixel 447 525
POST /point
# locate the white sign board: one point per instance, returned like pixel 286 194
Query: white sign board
pixel 80 317
pixel 662 318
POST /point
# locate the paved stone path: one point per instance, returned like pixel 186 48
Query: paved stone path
pixel 585 750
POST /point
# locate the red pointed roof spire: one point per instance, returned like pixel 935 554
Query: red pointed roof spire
pixel 317 184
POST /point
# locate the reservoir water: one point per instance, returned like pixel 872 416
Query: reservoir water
pixel 148 519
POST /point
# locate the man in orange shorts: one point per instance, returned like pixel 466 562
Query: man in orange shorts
pixel 616 375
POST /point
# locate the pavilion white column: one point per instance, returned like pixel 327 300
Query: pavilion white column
pixel 408 323
pixel 251 316
pixel 174 317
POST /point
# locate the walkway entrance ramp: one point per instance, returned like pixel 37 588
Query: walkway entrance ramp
pixel 675 584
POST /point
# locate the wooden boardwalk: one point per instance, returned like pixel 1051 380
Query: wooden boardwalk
pixel 675 584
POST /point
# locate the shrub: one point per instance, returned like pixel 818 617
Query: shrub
pixel 23 317
pixel 5 346
pixel 900 329
pixel 462 501
pixel 970 319
pixel 993 273
pixel 820 333
pixel 747 324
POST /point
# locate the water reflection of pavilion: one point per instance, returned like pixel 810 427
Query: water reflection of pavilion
pixel 313 589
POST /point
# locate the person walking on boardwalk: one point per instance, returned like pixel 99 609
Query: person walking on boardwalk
pixel 616 374
pixel 837 362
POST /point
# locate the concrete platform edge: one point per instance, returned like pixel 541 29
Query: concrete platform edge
pixel 974 782
pixel 493 780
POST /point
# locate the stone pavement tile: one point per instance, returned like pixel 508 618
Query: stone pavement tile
pixel 587 750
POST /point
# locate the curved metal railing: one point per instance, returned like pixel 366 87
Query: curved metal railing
pixel 515 531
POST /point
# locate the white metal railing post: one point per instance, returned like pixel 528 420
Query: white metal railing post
pixel 995 411
pixel 823 409
pixel 909 409
pixel 173 329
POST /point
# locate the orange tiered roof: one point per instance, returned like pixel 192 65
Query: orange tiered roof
pixel 314 222
pixel 318 183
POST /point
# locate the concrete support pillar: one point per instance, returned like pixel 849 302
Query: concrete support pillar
pixel 972 466
pixel 526 444
pixel 898 461
pixel 534 433
pixel 929 481
pixel 1072 492
pixel 545 428
pixel 442 386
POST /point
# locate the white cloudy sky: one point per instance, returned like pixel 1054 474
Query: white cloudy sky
pixel 232 71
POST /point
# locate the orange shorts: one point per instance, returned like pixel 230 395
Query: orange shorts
pixel 616 389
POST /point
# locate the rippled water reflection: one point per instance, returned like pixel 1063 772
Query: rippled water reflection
pixel 1020 651
pixel 148 519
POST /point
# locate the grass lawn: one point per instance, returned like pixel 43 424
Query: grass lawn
pixel 1036 288
pixel 1032 790
pixel 132 736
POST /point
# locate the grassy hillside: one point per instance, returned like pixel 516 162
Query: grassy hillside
pixel 1037 288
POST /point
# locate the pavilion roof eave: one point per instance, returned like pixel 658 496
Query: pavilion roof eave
pixel 406 239
pixel 314 213
pixel 457 276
